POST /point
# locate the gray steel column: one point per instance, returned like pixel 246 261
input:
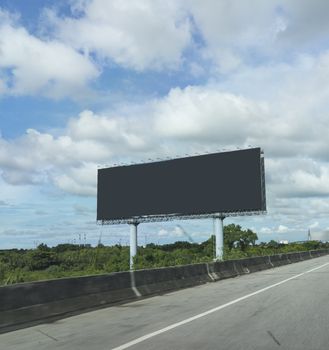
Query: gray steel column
pixel 133 243
pixel 219 235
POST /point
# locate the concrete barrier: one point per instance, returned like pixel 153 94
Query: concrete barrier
pixel 323 252
pixel 28 302
pixel 23 303
pixel 279 260
pixel 155 281
pixel 224 269
pixel 314 253
pixel 294 257
pixel 305 255
pixel 255 264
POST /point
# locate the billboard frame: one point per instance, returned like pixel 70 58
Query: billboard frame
pixel 171 217
pixel 161 218
pixel 218 218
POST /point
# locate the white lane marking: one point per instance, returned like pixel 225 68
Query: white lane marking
pixel 203 314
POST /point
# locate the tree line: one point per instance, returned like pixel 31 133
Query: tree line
pixel 66 260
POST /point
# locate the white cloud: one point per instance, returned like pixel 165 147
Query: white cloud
pixel 138 35
pixel 70 160
pixel 268 70
pixel 31 66
pixel 299 12
pixel 78 180
pixel 194 119
pixel 13 194
pixel 207 114
pixel 163 232
pixel 282 229
pixel 266 230
pixel 239 33
pixel 177 232
pixel 273 106
pixel 314 225
pixel 231 27
pixel 298 177
pixel 320 235
pixel 311 184
pixel 161 35
pixel 91 127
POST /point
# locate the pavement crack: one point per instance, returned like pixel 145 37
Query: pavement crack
pixel 47 335
pixel 273 337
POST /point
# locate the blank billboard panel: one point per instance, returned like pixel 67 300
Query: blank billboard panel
pixel 212 183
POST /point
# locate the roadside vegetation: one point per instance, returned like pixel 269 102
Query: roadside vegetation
pixel 66 260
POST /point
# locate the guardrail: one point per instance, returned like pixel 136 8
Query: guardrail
pixel 24 304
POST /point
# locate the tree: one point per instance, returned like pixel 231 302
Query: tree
pixel 247 238
pixel 41 259
pixel 43 247
pixel 273 244
pixel 234 236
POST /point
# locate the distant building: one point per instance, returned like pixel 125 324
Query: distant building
pixel 284 241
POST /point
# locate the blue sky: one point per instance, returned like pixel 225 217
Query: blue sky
pixel 85 83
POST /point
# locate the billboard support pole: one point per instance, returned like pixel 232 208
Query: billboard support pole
pixel 133 242
pixel 219 235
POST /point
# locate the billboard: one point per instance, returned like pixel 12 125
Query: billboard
pixel 223 182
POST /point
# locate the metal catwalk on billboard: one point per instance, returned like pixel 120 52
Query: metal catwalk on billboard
pixel 161 218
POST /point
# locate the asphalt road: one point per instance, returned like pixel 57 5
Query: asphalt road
pixel 281 308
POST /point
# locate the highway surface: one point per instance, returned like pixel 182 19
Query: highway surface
pixel 282 308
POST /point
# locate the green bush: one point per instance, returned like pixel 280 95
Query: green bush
pixel 66 260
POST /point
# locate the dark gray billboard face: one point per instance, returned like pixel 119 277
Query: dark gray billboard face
pixel 213 183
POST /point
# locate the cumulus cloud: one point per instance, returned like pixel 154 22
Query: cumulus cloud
pixel 70 160
pixel 314 225
pixel 193 119
pixel 174 233
pixel 115 131
pixel 32 66
pixel 158 35
pixel 228 30
pixel 265 230
pixel 298 177
pixel 154 35
pixel 282 229
pixel 320 235
pixel 78 180
pixel 271 104
pixel 312 184
pixel 236 33
pixel 296 13
pixel 200 114
pixel 163 232
pixel 137 35
pixel 267 66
